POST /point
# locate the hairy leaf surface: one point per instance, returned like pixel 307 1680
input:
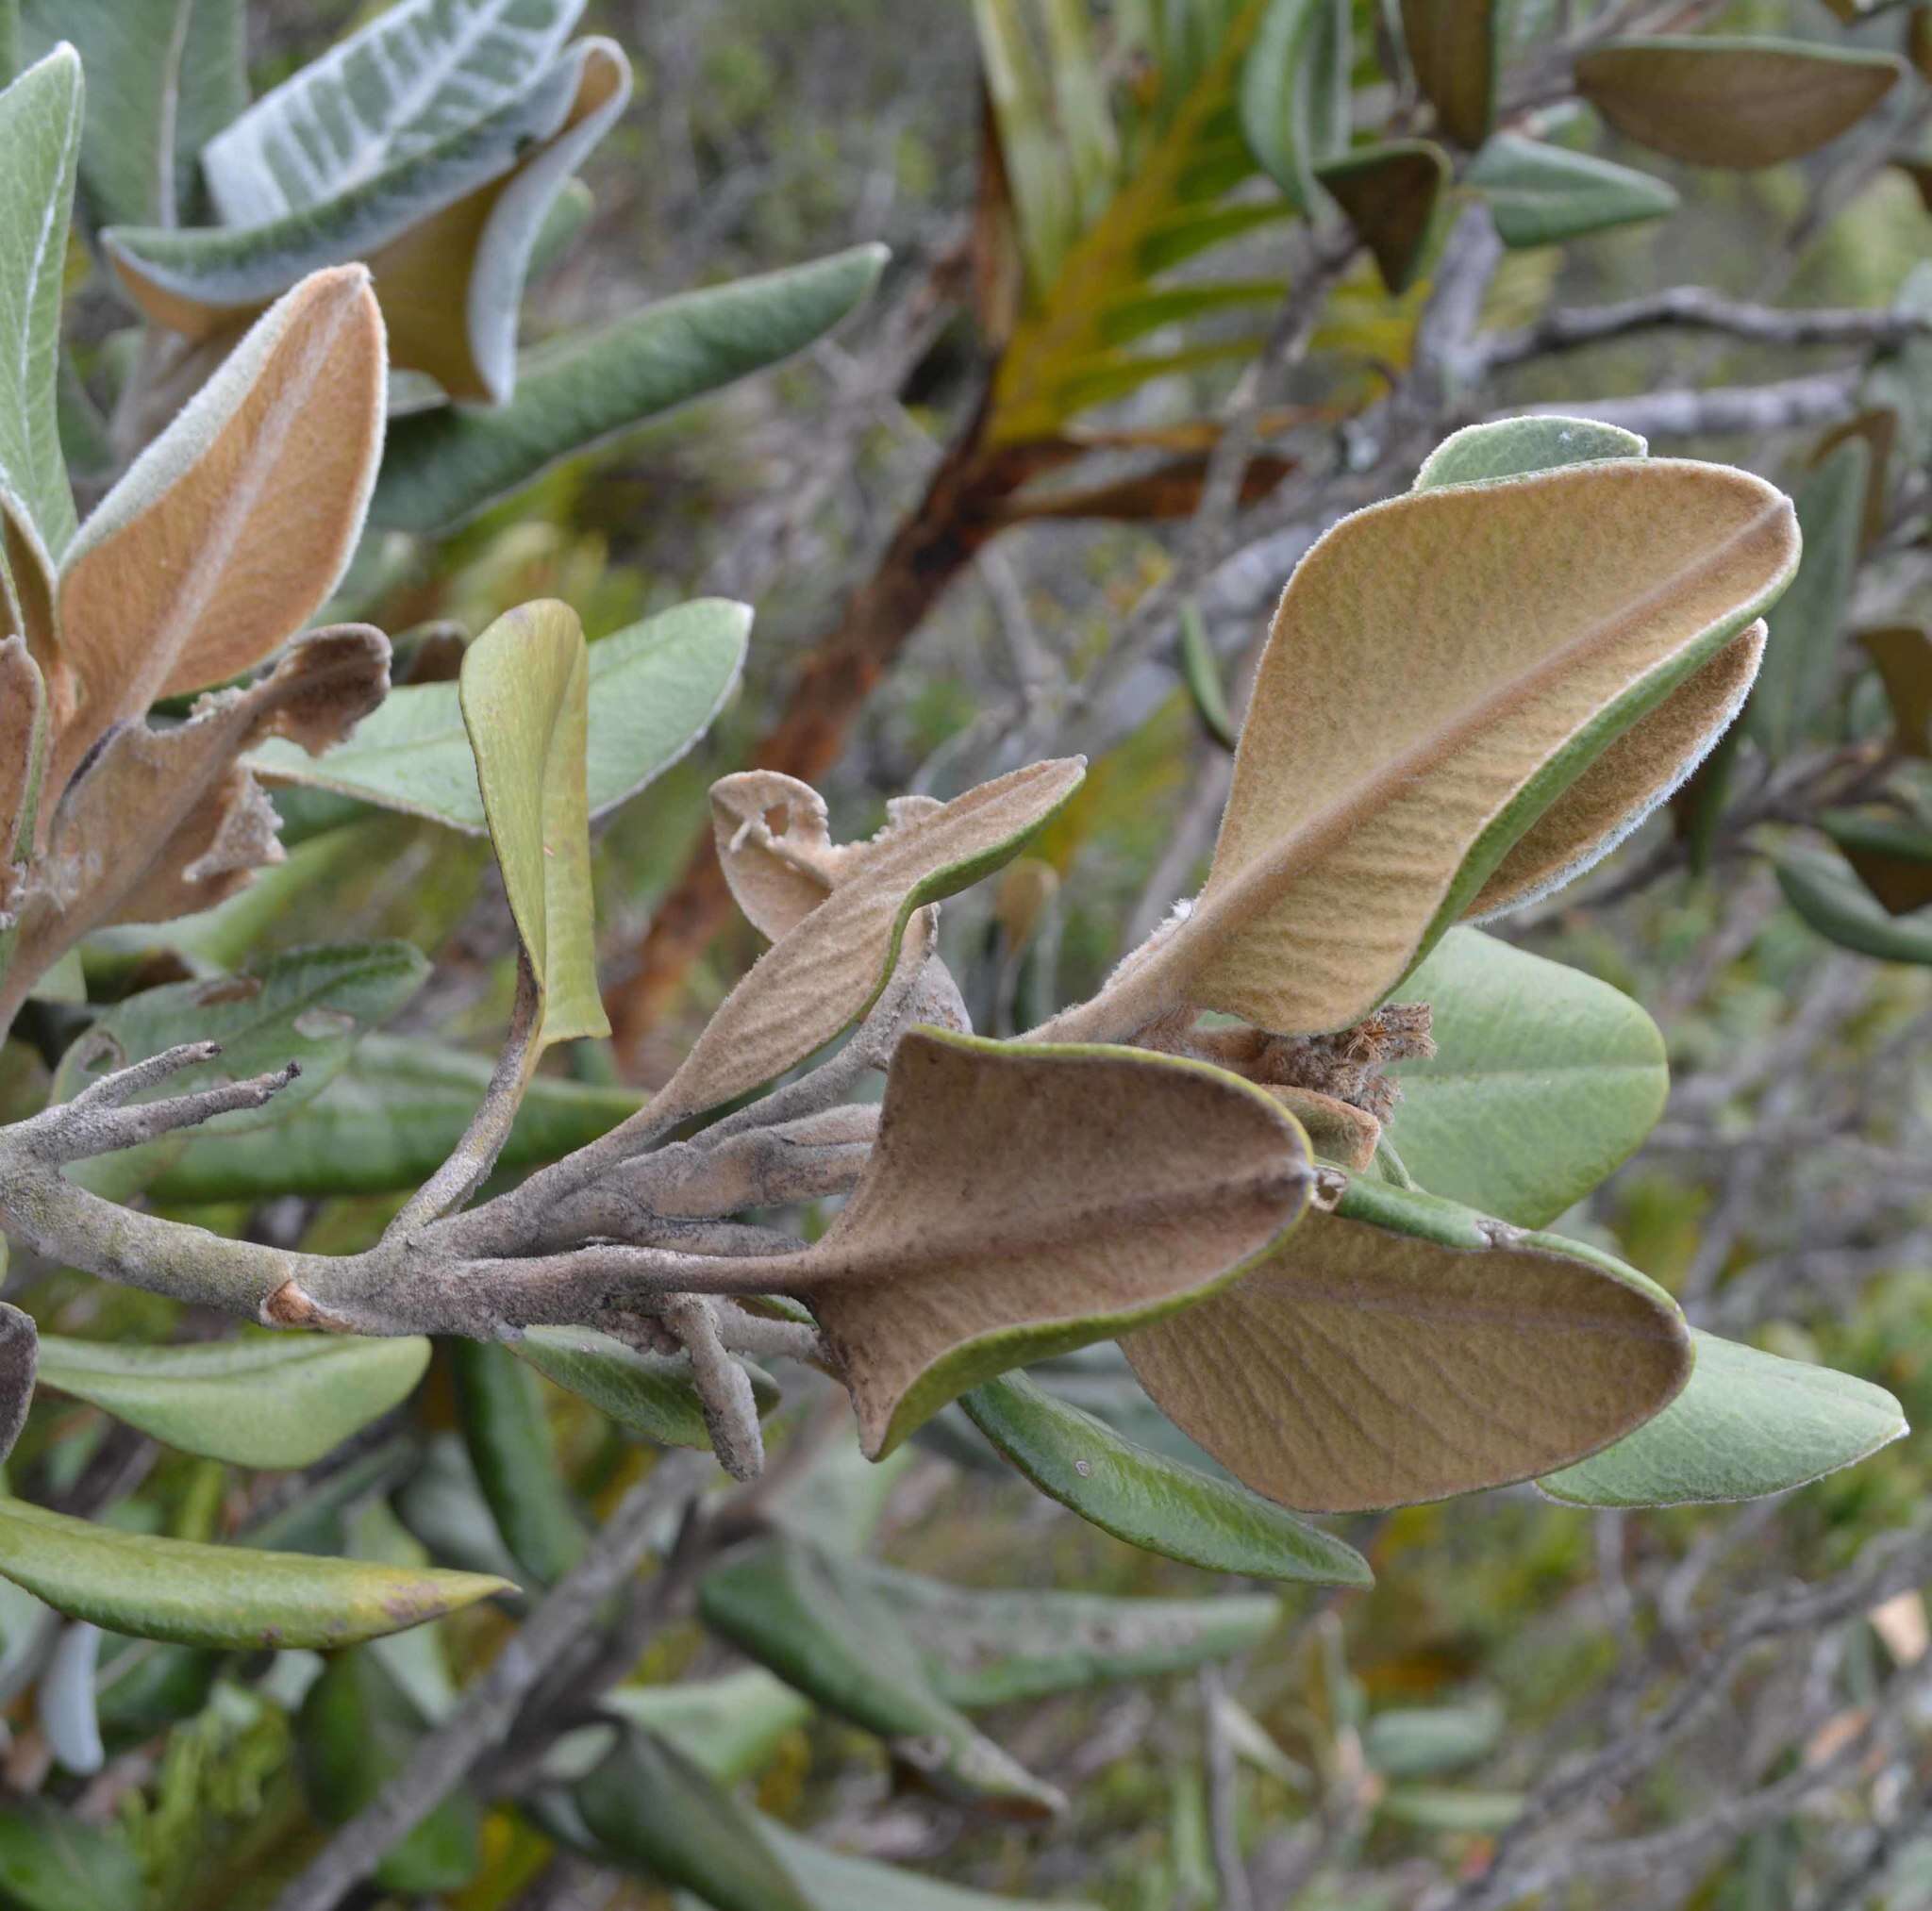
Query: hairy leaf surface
pixel 1541 196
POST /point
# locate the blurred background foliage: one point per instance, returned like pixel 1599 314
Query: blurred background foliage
pixel 1371 1746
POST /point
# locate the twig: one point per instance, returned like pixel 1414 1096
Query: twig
pixel 1224 1828
pixel 1727 411
pixel 438 1763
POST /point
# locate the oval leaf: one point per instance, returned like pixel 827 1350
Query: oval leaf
pixel 226 1597
pixel 1541 196
pixel 1453 47
pixel 266 1400
pixel 1543 1080
pixel 1718 101
pixel 1021 1201
pixel 1402 1348
pixel 1160 1504
pixel 1514 447
pixel 1749 1423
pixel 654 688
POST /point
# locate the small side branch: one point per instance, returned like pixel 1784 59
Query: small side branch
pixel 1726 411
pixel 1690 308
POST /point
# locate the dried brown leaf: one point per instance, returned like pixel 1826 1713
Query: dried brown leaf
pixel 1452 45
pixel 1025 1200
pixel 227 532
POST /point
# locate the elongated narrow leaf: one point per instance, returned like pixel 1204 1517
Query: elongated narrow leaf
pixel 18 1340
pixel 822 976
pixel 444 466
pixel 230 529
pixel 1892 855
pixel 526 702
pixel 1543 1080
pixel 1294 94
pixel 1393 196
pixel 226 1597
pixel 1150 1501
pixel 1021 1201
pixel 1749 1423
pixel 1541 196
pixel 1516 447
pixel 1441 668
pixel 309 1006
pixel 285 1400
pixel 1807 628
pixel 1402 1348
pixel 652 1394
pixel 501 1407
pixel 1719 101
pixel 1825 889
pixel 728 1726
pixel 824 1626
pixel 51 1861
pixel 1453 47
pixel 832 1881
pixel 1426 1741
pixel 654 690
pixel 39 133
pixel 1903 655
pixel 1002 1648
pixel 649 1806
pixel 162 79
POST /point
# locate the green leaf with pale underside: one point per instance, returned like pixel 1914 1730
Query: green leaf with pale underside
pixel 1749 1423
pixel 524 694
pixel 1402 1348
pixel 826 1626
pixel 224 1597
pixel 1543 1080
pixel 1023 1201
pixel 1150 1501
pixel 1541 196
pixel 444 465
pixel 1515 447
pixel 284 1400
pixel 654 688
pixel 1442 669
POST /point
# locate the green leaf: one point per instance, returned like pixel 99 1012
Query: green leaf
pixel 163 78
pixel 1543 1080
pixel 1892 855
pixel 822 1624
pixel 218 1596
pixel 1425 1740
pixel 1402 1348
pixel 1452 1810
pixel 1540 195
pixel 355 1734
pixel 19 1340
pixel 39 133
pixel 1203 675
pixel 650 1393
pixel 1823 888
pixel 1002 1648
pixel 653 1808
pixel 443 466
pixel 654 688
pixel 1453 45
pixel 1717 100
pixel 1514 447
pixel 1294 94
pixel 415 74
pixel 387 1122
pixel 1393 194
pixel 49 1861
pixel 1807 623
pixel 274 1400
pixel 1749 1423
pixel 1160 1504
pixel 729 1726
pixel 524 694
pixel 834 1882
pixel 500 1404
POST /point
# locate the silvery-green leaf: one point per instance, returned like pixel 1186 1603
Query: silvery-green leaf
pixel 1541 195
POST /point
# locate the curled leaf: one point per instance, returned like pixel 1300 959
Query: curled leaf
pixel 1825 889
pixel 1902 653
pixel 1402 1348
pixel 1025 1201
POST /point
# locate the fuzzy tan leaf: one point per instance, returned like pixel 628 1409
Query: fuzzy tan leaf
pixel 1441 668
pixel 1641 768
pixel 164 822
pixel 1335 1129
pixel 1402 1349
pixel 22 746
pixel 1718 101
pixel 227 532
pixel 28 586
pixel 1023 1201
pixel 825 972
pixel 774 843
